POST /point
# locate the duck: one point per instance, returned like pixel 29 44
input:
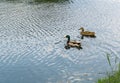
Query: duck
pixel 87 33
pixel 72 43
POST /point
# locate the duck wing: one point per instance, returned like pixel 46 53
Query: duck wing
pixel 75 42
pixel 88 33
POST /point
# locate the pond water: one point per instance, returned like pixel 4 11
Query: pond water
pixel 32 40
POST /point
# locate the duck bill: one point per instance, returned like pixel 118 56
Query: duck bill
pixel 65 36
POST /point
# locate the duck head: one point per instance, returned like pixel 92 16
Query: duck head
pixel 82 29
pixel 68 37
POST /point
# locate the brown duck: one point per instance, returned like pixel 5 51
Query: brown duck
pixel 87 33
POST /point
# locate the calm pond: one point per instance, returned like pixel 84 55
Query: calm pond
pixel 32 40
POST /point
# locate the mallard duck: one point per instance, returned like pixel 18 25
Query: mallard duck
pixel 87 33
pixel 72 43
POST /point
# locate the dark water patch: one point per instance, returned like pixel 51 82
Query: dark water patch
pixel 36 1
pixel 50 1
pixel 12 1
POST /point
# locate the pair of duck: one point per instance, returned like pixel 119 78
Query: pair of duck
pixel 78 44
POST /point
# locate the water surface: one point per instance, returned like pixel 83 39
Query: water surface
pixel 32 40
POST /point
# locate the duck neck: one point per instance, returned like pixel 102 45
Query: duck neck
pixel 82 30
pixel 68 40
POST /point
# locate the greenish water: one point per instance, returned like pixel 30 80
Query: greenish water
pixel 32 40
pixel 38 1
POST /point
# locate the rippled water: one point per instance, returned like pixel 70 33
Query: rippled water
pixel 32 43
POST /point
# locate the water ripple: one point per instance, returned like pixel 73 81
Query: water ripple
pixel 31 38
